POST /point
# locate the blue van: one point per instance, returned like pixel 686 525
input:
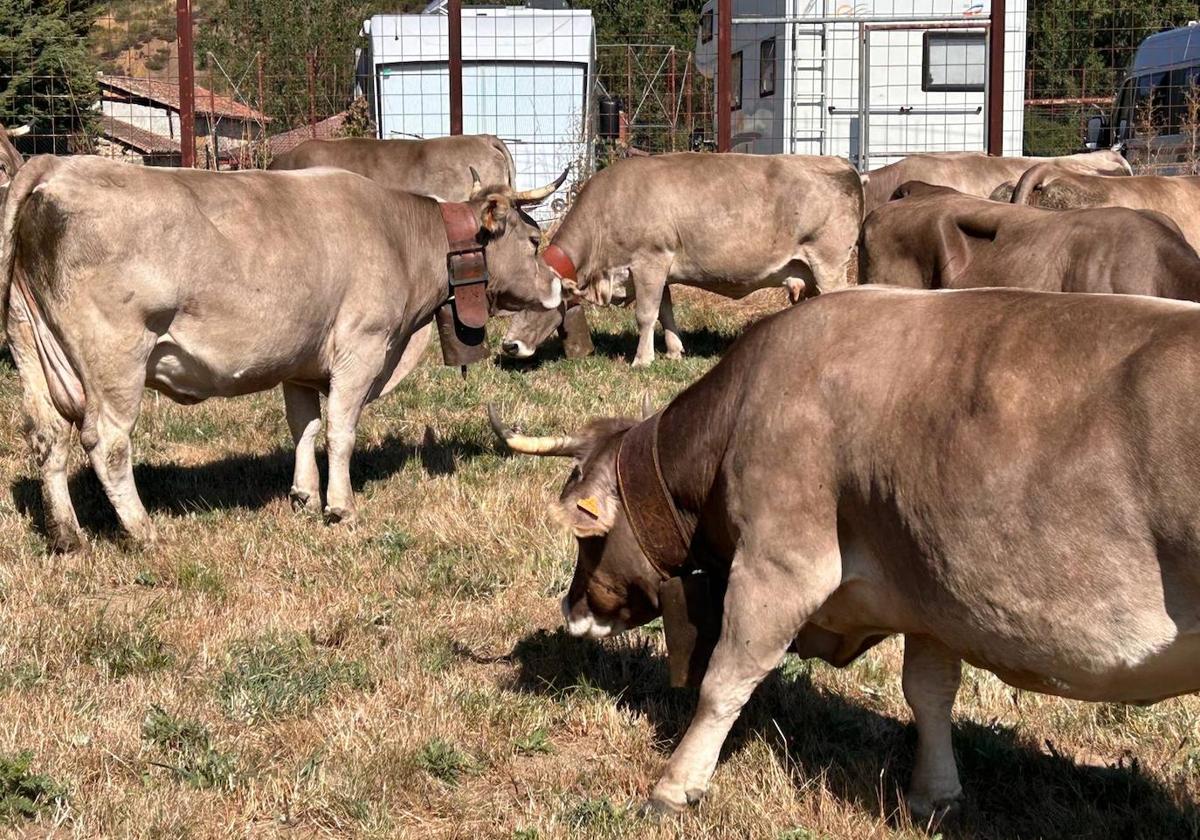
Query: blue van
pixel 1154 116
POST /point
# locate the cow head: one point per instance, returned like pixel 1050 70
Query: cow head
pixel 10 158
pixel 517 278
pixel 527 330
pixel 614 587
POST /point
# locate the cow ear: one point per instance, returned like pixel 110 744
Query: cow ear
pixel 589 513
pixel 493 213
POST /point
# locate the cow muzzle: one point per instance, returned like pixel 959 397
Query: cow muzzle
pixel 516 349
pixel 583 625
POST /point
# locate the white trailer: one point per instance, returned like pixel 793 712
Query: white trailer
pixel 527 78
pixel 870 81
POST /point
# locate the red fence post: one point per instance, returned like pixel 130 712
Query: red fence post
pixel 454 12
pixel 187 83
pixel 995 121
pixel 724 69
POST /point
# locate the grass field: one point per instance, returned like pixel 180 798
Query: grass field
pixel 262 674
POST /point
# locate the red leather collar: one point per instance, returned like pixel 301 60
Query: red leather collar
pixel 465 264
pixel 648 504
pixel 559 262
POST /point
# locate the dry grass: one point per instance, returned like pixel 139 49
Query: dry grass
pixel 260 673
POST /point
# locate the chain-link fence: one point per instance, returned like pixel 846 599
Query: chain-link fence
pixel 585 84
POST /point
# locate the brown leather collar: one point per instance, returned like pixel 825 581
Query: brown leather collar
pixel 466 266
pixel 648 503
pixel 559 262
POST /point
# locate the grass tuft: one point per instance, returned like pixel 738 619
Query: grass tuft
pixel 188 751
pixel 24 794
pixel 444 761
pixel 282 676
pixel 119 652
pixel 599 817
pixel 537 741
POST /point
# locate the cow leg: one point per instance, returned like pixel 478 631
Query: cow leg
pixel 766 604
pixel 106 438
pixel 931 678
pixel 650 285
pixel 666 316
pixel 303 407
pixel 348 393
pixel 49 436
pixel 830 266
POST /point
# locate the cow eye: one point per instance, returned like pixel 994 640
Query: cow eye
pixel 576 475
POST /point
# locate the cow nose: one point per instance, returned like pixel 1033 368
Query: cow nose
pixel 510 348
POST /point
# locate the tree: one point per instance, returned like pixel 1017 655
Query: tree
pixel 47 74
pixel 296 41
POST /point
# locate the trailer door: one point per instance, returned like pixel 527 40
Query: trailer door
pixel 923 88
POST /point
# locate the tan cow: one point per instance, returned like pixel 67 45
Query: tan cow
pixel 728 223
pixel 1175 196
pixel 202 284
pixel 1005 477
pixel 976 173
pixel 436 167
pixel 936 238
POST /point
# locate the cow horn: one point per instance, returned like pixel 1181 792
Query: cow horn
pixel 476 184
pixel 647 406
pixel 19 132
pixel 550 445
pixel 541 193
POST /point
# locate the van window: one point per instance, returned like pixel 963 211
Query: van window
pixel 706 26
pixel 1123 119
pixel 954 61
pixel 766 67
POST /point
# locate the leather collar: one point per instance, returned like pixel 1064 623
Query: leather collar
pixel 466 266
pixel 558 261
pixel 648 504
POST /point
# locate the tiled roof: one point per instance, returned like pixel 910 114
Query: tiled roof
pixel 167 93
pixel 140 140
pixel 326 129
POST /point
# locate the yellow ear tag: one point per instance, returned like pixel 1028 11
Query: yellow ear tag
pixel 589 505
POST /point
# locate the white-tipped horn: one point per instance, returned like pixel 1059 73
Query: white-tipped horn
pixel 476 184
pixel 562 446
pixel 647 406
pixel 19 132
pixel 541 193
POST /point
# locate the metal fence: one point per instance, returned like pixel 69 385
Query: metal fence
pixel 869 81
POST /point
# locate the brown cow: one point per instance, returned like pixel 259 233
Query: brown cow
pixel 976 173
pixel 436 167
pixel 728 223
pixel 1005 477
pixel 320 280
pixel 936 238
pixel 1175 196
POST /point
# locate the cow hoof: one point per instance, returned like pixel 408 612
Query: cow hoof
pixel 340 516
pixel 655 808
pixel 675 354
pixel 70 542
pixel 929 811
pixel 304 502
pixel 643 363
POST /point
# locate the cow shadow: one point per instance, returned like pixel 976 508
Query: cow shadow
pixel 1013 788
pixel 247 482
pixel 703 343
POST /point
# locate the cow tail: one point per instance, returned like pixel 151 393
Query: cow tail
pixel 500 146
pixel 1032 180
pixel 63 386
pixel 28 178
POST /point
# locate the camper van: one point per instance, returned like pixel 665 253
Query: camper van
pixel 1153 116
pixel 870 81
pixel 528 74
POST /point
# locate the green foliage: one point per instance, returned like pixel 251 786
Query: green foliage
pixel 444 761
pixel 188 750
pixel 119 652
pixel 282 676
pixel 294 38
pixel 47 74
pixel 1081 47
pixel 537 741
pixel 23 795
